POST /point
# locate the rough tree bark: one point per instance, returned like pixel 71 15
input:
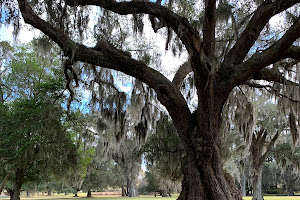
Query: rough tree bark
pixel 257 183
pixel 132 189
pixel 18 182
pixel 243 184
pixel 243 169
pixel 204 178
pixel 164 192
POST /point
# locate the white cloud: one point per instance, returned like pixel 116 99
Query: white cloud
pixel 26 34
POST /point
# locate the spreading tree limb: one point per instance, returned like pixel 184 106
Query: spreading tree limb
pixel 236 75
pixel 260 18
pixel 273 75
pixel 181 73
pixel 105 55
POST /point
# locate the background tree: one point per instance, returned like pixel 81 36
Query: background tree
pixel 85 142
pixel 164 154
pixel 288 161
pixel 239 120
pixel 99 177
pixel 36 139
pixel 123 122
pixel 149 183
pixel 218 67
pixel 271 124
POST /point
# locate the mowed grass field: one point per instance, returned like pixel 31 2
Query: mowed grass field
pixel 82 196
pixel 276 198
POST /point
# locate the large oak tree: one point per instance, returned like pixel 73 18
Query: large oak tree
pixel 215 74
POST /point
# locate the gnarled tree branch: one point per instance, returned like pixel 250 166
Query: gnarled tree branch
pixel 273 76
pixel 269 148
pixel 271 90
pixel 292 52
pixel 233 76
pixel 258 21
pixel 105 55
pixel 181 73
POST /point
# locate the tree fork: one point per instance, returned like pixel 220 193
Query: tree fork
pixel 204 177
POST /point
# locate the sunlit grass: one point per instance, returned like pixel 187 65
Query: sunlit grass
pixel 276 198
pixel 82 196
pixel 144 197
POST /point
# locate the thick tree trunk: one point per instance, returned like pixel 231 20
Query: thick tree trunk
pixel 19 180
pixel 89 193
pixel 243 184
pixel 289 180
pixel 243 169
pixel 204 178
pixel 257 183
pixel 132 189
pixel 164 192
pixel 49 192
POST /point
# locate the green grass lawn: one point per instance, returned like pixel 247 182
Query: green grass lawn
pixel 155 198
pixel 276 198
pixel 128 198
pixel 82 196
pixel 174 198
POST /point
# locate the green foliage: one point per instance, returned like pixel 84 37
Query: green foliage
pixel 100 176
pixel 28 75
pixel 35 138
pixel 164 150
pixel 152 182
pixel 5 50
pixel 285 155
pixel 271 178
pixel 33 133
pixel 83 137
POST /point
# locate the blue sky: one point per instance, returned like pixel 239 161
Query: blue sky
pixel 6 34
